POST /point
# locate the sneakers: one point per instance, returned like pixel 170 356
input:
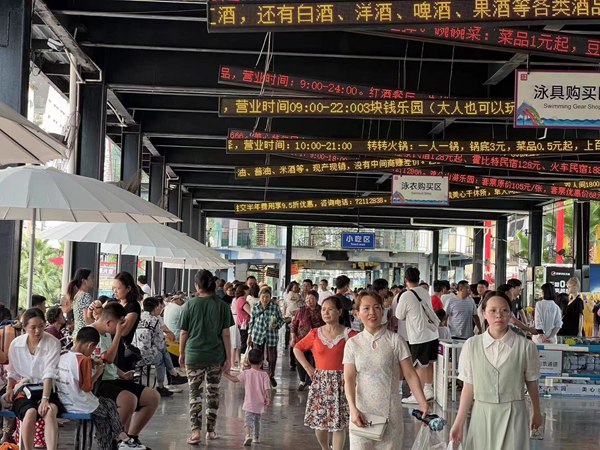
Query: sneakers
pixel 164 392
pixel 174 389
pixel 410 400
pixel 428 391
pixel 131 443
pixel 176 379
pixel 301 386
pixel 256 440
pixel 247 440
pixel 273 382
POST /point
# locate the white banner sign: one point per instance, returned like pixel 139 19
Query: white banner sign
pixel 414 190
pixel 555 99
pixel 551 362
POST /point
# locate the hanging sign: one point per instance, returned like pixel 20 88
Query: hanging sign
pixel 558 276
pixel 343 146
pixel 327 107
pixel 409 190
pixel 280 81
pixel 358 240
pixel 506 39
pixel 273 16
pixel 555 99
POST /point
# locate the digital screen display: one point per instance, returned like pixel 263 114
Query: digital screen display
pixel 292 170
pixel 341 146
pixel 474 194
pixel 541 42
pixel 258 78
pixel 327 107
pixel 347 202
pixel 275 16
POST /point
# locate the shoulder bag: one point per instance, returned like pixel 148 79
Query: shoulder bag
pixel 433 322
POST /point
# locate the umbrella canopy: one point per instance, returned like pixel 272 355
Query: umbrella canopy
pixel 22 142
pixel 58 196
pixel 193 264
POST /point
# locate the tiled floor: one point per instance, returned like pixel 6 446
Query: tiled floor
pixel 571 423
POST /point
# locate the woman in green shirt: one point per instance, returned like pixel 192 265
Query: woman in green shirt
pixel 263 332
pixel 205 351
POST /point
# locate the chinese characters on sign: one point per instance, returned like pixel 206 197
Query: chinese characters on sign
pixel 264 16
pixel 559 276
pixel 486 36
pixel 409 190
pixel 551 99
pixel 326 107
pixel 551 362
pixel 358 240
pixel 253 77
pixel 287 145
pixel 328 203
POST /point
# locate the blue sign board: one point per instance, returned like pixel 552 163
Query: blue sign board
pixel 358 240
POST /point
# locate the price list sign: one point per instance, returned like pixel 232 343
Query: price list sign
pixel 327 107
pixel 274 16
pixel 342 146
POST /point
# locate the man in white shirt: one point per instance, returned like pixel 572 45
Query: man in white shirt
pixel 421 331
pixel 143 284
pixel 324 291
pixel 172 314
pixel 449 295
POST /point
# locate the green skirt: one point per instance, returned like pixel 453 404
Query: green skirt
pixel 498 426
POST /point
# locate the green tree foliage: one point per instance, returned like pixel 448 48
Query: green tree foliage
pixel 47 277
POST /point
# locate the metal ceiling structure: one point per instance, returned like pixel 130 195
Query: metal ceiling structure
pixel 161 68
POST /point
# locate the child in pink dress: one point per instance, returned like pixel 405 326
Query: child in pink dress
pixel 257 395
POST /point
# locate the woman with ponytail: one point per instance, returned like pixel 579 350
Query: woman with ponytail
pixel 78 293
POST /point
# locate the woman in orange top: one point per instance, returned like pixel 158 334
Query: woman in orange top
pixel 326 408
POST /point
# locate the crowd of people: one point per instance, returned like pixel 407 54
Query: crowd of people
pixel 359 353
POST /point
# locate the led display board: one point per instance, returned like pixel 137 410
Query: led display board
pixel 327 107
pixel 509 39
pixel 258 78
pixel 276 16
pixel 342 146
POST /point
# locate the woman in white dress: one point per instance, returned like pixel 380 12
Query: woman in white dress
pixel 495 367
pixel 548 318
pixel 374 361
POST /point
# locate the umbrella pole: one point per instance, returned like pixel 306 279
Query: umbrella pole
pixel 152 283
pixel 189 280
pixel 119 260
pixel 31 257
pixel 183 276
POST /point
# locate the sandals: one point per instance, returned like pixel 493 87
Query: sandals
pixel 194 441
pixel 211 436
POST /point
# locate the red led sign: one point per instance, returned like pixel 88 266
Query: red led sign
pixel 258 78
pixel 508 39
pixel 343 107
pixel 274 16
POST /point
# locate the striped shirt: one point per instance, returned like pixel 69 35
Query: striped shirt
pixel 460 317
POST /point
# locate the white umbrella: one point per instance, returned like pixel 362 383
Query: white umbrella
pixel 41 193
pixel 22 142
pixel 193 264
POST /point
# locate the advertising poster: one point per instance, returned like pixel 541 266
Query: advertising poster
pixel 557 99
pixel 559 276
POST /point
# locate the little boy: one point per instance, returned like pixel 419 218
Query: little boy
pixel 443 328
pixel 257 394
pixel 75 384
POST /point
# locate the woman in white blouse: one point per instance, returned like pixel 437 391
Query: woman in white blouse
pixel 548 317
pixel 494 367
pixel 33 363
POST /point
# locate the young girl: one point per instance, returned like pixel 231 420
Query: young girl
pixel 494 366
pixel 256 396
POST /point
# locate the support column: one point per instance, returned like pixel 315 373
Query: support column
pixel 195 222
pixel 131 160
pixel 435 256
pixel 15 40
pixel 288 255
pixel 501 248
pixel 90 160
pixel 581 234
pixel 172 276
pixel 478 255
pixel 187 205
pixel 202 226
pixel 536 228
pixel 157 188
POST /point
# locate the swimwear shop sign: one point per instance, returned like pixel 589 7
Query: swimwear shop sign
pixel 417 190
pixel 555 99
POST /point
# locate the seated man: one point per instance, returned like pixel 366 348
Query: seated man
pixel 130 397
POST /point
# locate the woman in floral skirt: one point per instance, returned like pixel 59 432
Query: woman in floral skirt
pixel 326 407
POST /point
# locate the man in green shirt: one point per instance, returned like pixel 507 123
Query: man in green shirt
pixel 204 349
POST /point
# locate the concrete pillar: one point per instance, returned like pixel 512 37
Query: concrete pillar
pixel 15 41
pixel 187 204
pixel 536 225
pixel 581 234
pixel 435 255
pixel 478 255
pixel 501 248
pixel 157 187
pixel 288 255
pixel 172 276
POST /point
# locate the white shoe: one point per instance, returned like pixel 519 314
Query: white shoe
pixel 174 389
pixel 428 391
pixel 256 440
pixel 410 400
pixel 130 443
pixel 248 440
